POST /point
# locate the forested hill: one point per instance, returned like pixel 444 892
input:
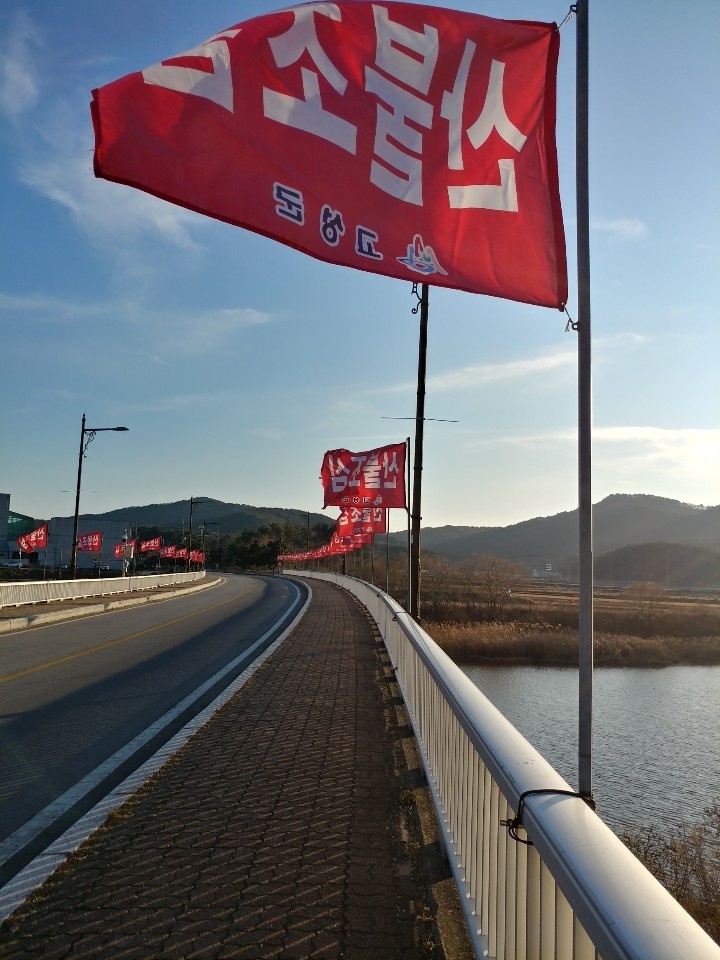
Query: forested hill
pixel 620 520
pixel 232 517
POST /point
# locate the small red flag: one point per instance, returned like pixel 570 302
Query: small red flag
pixel 35 540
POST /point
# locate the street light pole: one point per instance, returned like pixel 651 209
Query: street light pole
pixel 193 503
pixel 90 433
pixel 213 523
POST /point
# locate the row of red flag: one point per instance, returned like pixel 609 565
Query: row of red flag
pixel 365 486
pixel 92 543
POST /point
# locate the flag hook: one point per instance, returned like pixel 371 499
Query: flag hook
pixel 416 294
pixel 571 324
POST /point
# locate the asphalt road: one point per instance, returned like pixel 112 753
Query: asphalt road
pixel 76 693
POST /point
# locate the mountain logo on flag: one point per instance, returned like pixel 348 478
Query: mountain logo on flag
pixel 421 258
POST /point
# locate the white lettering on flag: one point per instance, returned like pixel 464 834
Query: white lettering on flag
pixel 492 117
pixel 309 114
pixel 215 85
pixel 395 140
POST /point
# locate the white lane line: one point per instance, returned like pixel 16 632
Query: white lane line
pixel 39 869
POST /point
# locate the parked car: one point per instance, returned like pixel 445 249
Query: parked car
pixel 18 564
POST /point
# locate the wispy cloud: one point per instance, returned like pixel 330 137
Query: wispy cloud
pixel 206 331
pixel 270 433
pixel 626 229
pixel 677 441
pixel 689 447
pixel 169 404
pixel 481 374
pixel 18 79
pixel 682 462
pixel 110 214
pixel 54 156
pixel 160 333
pixel 53 309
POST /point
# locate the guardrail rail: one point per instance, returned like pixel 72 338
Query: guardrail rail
pixel 46 591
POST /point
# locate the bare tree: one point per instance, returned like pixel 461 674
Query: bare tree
pixel 493 581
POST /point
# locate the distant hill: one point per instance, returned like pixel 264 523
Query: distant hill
pixel 673 565
pixel 619 520
pixel 232 517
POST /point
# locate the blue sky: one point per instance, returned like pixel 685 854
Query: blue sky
pixel 235 362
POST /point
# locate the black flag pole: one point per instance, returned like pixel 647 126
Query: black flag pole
pixel 416 508
pixel 585 578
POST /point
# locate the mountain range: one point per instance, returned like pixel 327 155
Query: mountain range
pixel 636 536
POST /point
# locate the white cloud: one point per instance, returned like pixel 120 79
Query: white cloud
pixel 18 80
pixel 685 449
pixel 681 463
pixel 109 213
pixel 626 229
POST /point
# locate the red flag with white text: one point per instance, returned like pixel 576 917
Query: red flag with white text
pixel 360 520
pixel 147 546
pixel 373 478
pixel 90 542
pixel 35 540
pixel 397 138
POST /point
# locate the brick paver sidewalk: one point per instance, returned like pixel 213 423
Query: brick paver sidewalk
pixel 287 827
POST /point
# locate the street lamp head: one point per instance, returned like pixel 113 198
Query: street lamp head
pixel 105 429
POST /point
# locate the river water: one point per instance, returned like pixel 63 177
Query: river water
pixel 656 734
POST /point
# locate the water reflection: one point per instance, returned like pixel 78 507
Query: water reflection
pixel 656 742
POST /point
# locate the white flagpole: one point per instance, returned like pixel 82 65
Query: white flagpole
pixel 585 663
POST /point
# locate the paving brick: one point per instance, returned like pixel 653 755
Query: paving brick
pixel 275 834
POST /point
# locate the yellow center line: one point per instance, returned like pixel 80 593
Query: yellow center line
pixel 111 643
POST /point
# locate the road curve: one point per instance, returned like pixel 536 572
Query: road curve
pixel 74 694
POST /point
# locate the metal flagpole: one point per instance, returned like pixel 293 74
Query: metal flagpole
pixel 409 529
pixel 387 553
pixel 585 663
pixel 418 463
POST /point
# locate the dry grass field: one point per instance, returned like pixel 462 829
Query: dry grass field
pixel 491 612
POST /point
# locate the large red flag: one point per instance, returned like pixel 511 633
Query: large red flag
pixel 374 478
pixel 397 138
pixel 35 540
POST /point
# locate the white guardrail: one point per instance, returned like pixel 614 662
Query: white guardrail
pixel 45 591
pixel 575 893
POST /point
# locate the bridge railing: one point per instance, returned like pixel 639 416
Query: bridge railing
pixel 575 892
pixel 45 591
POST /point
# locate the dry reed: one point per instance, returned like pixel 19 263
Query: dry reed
pixel 549 643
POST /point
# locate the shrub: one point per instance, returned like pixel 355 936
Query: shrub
pixel 687 863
